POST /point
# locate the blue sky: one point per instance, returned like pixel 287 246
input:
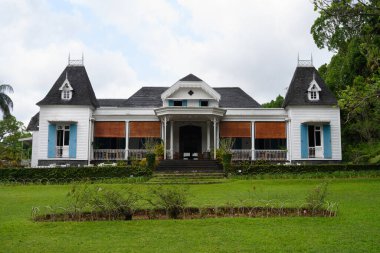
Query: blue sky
pixel 129 44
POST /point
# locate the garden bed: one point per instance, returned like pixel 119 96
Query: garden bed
pixel 187 213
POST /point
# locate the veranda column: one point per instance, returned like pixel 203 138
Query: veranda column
pixel 126 139
pixel 214 138
pixel 171 139
pixel 165 138
pixel 217 134
pixel 253 155
pixel 288 141
pixel 208 136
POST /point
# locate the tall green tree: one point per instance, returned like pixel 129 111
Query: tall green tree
pixel 6 103
pixel 11 131
pixel 277 103
pixel 351 29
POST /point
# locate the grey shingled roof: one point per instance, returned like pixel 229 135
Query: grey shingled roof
pixel 234 97
pixel 190 78
pixel 34 123
pixel 231 97
pixel 83 94
pixel 297 91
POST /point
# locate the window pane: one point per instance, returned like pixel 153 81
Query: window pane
pixel 317 138
pixel 276 144
pixel 311 136
pixel 204 103
pixel 59 137
pixel 177 103
pixel 67 138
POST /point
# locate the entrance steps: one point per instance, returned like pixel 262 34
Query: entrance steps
pixel 188 172
pixel 189 166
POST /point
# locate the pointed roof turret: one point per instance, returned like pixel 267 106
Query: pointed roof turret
pixel 297 93
pixel 83 93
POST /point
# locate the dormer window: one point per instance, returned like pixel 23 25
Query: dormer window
pixel 66 90
pixel 313 91
pixel 66 94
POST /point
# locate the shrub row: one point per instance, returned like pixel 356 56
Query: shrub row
pixel 248 168
pixel 73 172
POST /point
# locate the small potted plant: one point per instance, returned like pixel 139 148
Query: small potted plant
pixel 149 145
pixel 225 149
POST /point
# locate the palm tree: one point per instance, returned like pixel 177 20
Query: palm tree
pixel 6 103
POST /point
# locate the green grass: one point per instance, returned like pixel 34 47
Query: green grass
pixel 355 229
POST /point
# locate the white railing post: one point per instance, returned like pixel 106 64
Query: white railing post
pixel 126 140
pixel 171 139
pixel 253 157
pixel 165 138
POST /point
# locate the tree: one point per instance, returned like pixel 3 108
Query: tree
pixel 11 131
pixel 274 103
pixel 6 103
pixel 352 30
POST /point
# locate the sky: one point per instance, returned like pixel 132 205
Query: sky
pixel 252 44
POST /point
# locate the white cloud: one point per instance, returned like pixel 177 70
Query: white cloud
pixel 251 44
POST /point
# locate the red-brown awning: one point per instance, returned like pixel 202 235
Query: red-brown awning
pixel 144 129
pixel 270 130
pixel 109 129
pixel 235 129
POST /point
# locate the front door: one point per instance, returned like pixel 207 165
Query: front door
pixel 315 141
pixel 190 141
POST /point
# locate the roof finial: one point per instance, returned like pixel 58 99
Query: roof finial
pixel 66 75
pixel 313 75
pixel 82 58
pixel 305 63
pixel 68 60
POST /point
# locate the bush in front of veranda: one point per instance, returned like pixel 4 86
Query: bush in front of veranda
pixel 248 168
pixel 70 173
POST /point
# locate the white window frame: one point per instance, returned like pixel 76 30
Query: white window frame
pixel 313 91
pixel 62 151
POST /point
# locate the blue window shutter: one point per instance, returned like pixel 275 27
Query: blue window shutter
pixel 171 103
pixel 52 140
pixel 304 141
pixel 73 141
pixel 184 102
pixel 327 141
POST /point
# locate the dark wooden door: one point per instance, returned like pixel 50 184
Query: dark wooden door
pixel 190 139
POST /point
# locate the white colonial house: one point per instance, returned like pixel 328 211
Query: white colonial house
pixel 74 127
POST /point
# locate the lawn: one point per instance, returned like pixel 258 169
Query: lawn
pixel 355 229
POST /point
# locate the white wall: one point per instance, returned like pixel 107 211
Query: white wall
pixel 79 114
pixel 193 100
pixel 300 114
pixel 35 143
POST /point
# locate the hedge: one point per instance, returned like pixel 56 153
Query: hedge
pixel 72 173
pixel 251 169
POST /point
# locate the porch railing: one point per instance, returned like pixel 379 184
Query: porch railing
pixel 136 154
pixel 241 154
pixel 271 155
pixel 311 152
pixel 61 152
pixel 109 154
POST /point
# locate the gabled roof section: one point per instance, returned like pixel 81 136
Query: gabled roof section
pixel 150 97
pixel 191 78
pixel 66 84
pixel 314 86
pixel 235 97
pixel 83 94
pixel 191 81
pixel 298 88
pixel 145 97
pixel 34 123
